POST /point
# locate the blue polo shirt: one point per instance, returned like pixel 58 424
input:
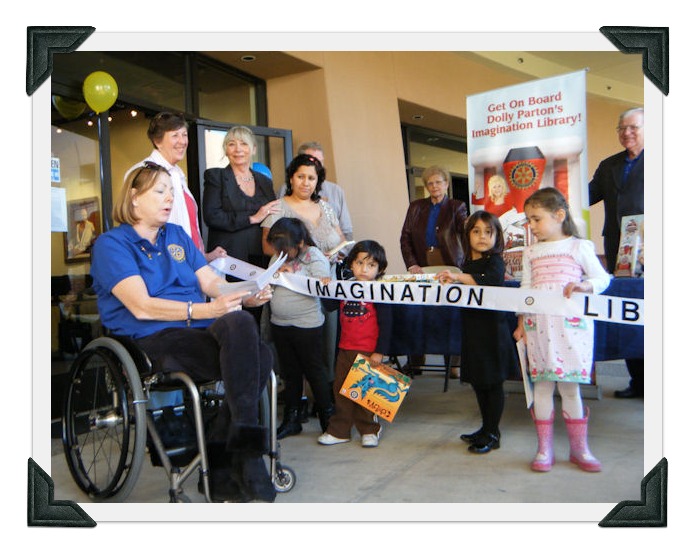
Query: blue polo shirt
pixel 167 267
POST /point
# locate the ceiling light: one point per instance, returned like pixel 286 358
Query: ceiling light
pixel 520 60
pixel 248 58
pixel 133 113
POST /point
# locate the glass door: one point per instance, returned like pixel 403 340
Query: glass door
pixel 273 155
pixel 426 147
pixel 77 220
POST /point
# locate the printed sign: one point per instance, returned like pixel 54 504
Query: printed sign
pixel 522 138
pixel 55 170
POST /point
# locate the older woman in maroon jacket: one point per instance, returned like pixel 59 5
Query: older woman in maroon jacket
pixel 431 235
pixel 433 227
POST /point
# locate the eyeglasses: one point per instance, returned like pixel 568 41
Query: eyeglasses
pixel 625 128
pixel 152 166
pixel 438 182
pixel 147 164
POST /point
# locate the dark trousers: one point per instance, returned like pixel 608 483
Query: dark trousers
pixel 635 367
pixel 230 349
pixel 301 353
pixel 347 412
pixel 491 403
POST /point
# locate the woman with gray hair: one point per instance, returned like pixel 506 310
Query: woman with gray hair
pixel 432 235
pixel 433 227
pixel 236 199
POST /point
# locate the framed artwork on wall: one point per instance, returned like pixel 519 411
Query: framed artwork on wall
pixel 84 226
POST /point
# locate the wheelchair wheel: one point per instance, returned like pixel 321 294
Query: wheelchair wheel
pixel 284 479
pixel 104 421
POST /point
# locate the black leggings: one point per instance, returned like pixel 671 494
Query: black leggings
pixel 491 403
pixel 301 353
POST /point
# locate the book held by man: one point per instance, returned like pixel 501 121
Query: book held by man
pixel 630 259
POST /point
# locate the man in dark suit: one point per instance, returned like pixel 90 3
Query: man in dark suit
pixel 619 182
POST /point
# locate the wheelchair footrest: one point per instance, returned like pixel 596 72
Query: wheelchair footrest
pixel 177 432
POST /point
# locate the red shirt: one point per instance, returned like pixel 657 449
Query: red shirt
pixel 359 327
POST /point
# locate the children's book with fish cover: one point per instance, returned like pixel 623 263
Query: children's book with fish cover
pixel 380 389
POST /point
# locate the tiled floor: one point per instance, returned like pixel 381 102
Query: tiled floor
pixel 421 458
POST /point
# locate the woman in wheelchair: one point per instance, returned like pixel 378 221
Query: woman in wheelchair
pixel 152 283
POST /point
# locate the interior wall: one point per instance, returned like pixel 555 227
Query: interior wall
pixel 351 106
pixel 300 103
pixel 369 157
pixel 441 80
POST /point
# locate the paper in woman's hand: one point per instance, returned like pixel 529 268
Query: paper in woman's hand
pixel 334 252
pixel 255 283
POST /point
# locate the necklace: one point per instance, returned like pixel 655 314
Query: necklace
pixel 246 179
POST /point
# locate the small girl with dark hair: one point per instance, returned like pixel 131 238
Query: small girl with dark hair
pixel 488 354
pixel 365 328
pixel 560 350
pixel 297 324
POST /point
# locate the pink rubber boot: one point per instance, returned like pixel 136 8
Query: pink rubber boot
pixel 545 457
pixel 579 449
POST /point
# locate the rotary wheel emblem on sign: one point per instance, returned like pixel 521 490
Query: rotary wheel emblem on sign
pixel 523 175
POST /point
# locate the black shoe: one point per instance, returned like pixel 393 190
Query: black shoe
pixel 223 487
pixel 471 437
pixel 288 429
pixel 485 443
pixel 290 424
pixel 223 480
pixel 256 481
pixel 629 392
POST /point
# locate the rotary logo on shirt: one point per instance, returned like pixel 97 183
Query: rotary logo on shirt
pixel 177 252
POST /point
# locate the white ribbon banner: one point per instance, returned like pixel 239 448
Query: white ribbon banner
pixel 614 309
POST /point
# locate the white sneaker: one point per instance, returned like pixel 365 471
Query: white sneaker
pixel 329 439
pixel 370 440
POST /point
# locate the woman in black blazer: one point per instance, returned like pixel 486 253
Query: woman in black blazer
pixel 236 199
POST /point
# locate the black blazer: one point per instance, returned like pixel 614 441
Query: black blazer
pixel 226 212
pixel 619 200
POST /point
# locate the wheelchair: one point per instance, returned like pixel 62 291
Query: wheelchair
pixel 112 415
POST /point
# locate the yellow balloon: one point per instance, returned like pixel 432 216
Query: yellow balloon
pixel 68 108
pixel 100 91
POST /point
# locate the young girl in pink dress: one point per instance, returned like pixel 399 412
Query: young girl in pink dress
pixel 560 350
